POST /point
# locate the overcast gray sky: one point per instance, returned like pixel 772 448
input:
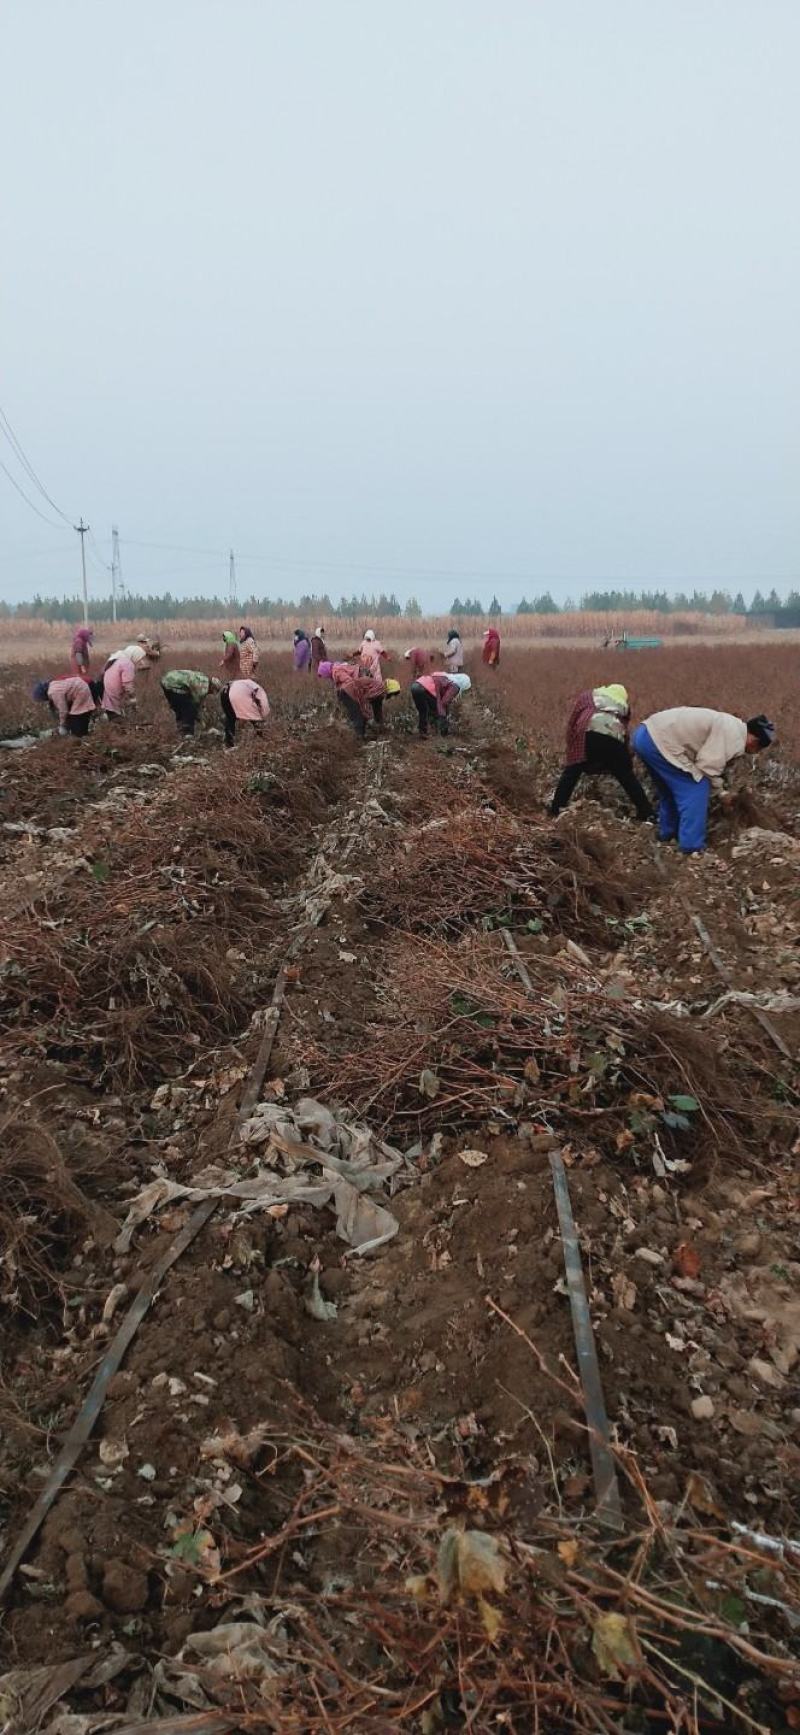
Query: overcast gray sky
pixel 432 295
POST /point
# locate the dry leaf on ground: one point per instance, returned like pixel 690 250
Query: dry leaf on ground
pixel 624 1291
pixel 469 1563
pixel 686 1260
pixel 473 1159
pixel 614 1645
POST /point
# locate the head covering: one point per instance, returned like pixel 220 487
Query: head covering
pixel 83 636
pixel 299 633
pixel 142 639
pixel 245 633
pixel 325 670
pixel 453 634
pixel 229 638
pixel 319 632
pixel 616 691
pixel 391 689
pixel 462 682
pixel 763 730
pixel 369 636
pixel 40 691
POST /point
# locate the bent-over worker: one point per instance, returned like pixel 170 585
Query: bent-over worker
pixel 142 653
pixel 433 696
pixel 243 702
pixel 184 691
pixel 686 750
pixel 597 745
pixel 119 686
pixel 231 660
pixel 357 694
pixel 419 659
pixel 72 700
pixel 360 696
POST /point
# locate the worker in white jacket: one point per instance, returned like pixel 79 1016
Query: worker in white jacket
pixel 686 751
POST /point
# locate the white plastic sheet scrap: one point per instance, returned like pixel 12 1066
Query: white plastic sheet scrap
pixel 306 1155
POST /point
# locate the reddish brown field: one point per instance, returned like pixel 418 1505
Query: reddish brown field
pixel 537 687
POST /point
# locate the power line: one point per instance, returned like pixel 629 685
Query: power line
pixel 17 448
pixel 28 469
pixel 175 548
pixel 21 492
pixel 411 574
pixel 96 555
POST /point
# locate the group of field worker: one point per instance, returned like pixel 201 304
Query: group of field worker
pixel 362 688
pixel 360 684
pixel 686 751
pixel 75 698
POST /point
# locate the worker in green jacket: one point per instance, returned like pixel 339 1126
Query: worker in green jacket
pixel 184 691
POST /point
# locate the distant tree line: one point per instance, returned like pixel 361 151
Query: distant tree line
pixel 134 605
pixel 137 606
pixel 719 602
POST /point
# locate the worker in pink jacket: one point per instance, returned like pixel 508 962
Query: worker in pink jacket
pixel 433 696
pixel 72 699
pixel 243 702
pixel 119 686
pixel 371 655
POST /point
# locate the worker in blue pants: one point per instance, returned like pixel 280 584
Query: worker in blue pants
pixel 686 750
pixel 683 803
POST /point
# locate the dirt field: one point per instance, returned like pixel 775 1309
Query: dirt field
pixel 332 1490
